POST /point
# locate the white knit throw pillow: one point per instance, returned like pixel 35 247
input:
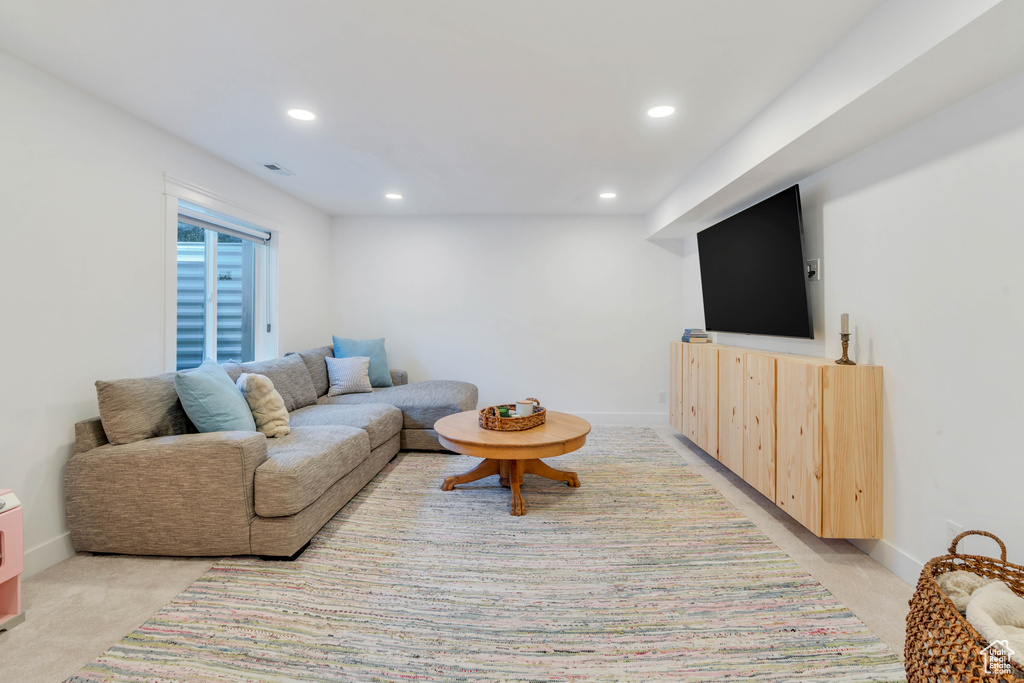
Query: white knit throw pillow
pixel 266 404
pixel 349 375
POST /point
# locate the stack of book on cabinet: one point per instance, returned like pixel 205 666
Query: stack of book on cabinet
pixel 695 336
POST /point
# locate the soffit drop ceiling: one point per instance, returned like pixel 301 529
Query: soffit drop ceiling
pixel 908 60
pixel 463 106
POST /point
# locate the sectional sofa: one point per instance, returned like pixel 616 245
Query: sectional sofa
pixel 142 481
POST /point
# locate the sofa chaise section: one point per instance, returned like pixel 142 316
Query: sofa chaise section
pixel 421 403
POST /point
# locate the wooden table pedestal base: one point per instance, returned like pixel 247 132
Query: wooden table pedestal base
pixel 510 474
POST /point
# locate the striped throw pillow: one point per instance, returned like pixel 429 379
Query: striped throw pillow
pixel 349 375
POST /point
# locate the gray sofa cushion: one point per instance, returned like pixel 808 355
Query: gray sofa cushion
pixel 289 375
pixel 304 464
pixel 422 403
pixel 285 535
pixel 314 360
pixel 135 409
pixel 379 420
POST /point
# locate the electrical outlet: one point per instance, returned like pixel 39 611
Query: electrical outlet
pixel 953 530
pixel 661 397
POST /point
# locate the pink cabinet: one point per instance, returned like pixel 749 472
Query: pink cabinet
pixel 12 560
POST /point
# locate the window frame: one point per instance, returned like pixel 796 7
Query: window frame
pixel 185 198
pixel 252 252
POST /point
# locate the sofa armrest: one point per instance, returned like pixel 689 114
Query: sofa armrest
pixel 399 377
pixel 190 494
pixel 89 434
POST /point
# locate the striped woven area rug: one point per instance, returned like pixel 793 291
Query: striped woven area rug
pixel 644 573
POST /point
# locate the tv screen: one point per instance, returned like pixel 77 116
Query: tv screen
pixel 752 270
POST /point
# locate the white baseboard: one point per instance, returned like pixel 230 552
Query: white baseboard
pixel 45 555
pixel 892 558
pixel 644 419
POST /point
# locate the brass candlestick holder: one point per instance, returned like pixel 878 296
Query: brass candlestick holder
pixel 845 360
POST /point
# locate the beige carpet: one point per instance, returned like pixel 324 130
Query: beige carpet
pixel 79 608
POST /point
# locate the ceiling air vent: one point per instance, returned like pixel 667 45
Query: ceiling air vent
pixel 277 168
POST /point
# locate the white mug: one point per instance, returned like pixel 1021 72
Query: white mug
pixel 524 408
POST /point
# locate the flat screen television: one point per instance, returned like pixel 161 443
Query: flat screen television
pixel 752 270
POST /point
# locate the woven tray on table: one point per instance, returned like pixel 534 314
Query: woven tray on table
pixel 490 419
pixel 941 645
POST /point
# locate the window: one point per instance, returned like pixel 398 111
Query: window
pixel 221 282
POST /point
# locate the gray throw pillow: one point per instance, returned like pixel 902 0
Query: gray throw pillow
pixel 135 409
pixel 314 360
pixel 289 375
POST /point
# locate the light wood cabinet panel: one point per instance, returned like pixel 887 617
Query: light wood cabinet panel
pixel 691 392
pixel 798 463
pixel 675 386
pixel 803 431
pixel 707 401
pixel 730 409
pixel 852 451
pixel 759 423
pixel 697 393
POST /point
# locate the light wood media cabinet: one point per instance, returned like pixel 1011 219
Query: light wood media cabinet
pixel 803 431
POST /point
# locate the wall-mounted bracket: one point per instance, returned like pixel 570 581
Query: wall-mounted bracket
pixel 814 269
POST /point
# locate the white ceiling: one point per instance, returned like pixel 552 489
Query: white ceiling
pixel 896 68
pixel 463 106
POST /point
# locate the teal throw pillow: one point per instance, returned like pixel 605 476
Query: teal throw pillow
pixel 380 373
pixel 212 401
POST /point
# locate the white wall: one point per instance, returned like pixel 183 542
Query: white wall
pixel 575 311
pixel 922 239
pixel 82 220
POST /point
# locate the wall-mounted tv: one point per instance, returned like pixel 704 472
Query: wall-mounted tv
pixel 752 270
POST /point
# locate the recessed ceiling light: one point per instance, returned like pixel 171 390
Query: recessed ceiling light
pixel 393 195
pixel 660 112
pixel 607 195
pixel 301 114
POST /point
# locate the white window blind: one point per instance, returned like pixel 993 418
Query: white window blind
pixel 220 285
pixel 235 230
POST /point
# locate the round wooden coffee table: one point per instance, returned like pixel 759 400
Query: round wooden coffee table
pixel 512 454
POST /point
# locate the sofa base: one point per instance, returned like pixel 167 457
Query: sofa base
pixel 286 558
pixel 285 536
pixel 421 440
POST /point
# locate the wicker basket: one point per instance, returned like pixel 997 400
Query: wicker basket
pixel 490 419
pixel 941 645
